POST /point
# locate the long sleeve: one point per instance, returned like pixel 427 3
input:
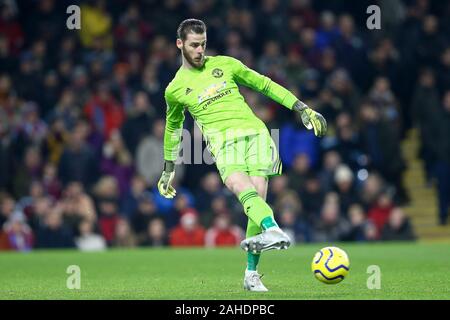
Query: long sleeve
pixel 174 124
pixel 258 82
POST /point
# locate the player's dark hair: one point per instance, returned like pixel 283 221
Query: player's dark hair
pixel 190 25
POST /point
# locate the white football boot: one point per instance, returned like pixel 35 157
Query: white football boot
pixel 272 238
pixel 252 282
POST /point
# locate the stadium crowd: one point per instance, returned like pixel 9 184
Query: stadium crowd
pixel 82 119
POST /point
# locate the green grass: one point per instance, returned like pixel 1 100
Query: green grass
pixel 409 271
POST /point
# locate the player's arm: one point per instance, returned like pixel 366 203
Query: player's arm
pixel 172 140
pixel 258 82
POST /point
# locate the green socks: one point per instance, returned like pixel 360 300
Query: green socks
pixel 252 261
pixel 268 222
pixel 260 218
pixel 256 208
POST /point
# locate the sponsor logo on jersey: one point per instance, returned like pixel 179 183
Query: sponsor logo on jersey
pixel 211 91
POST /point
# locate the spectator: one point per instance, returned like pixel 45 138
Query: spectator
pixel 441 152
pixel 300 171
pixel 19 234
pixel 370 190
pixel 345 187
pixel 383 99
pixel 210 186
pixel 56 140
pixel 53 234
pixel 149 154
pixel 156 234
pixel 278 185
pixel 296 227
pixel 380 211
pixel 41 207
pixel 383 148
pixel 103 111
pixel 131 198
pixel 398 227
pixel 332 226
pixel 67 111
pixel 331 160
pixel 117 161
pixel 188 232
pixel 30 170
pixel 425 105
pixel 78 162
pixel 88 240
pixel 71 215
pixel 359 224
pixel 223 232
pixel 75 197
pixel 443 72
pixel 96 24
pixel 146 211
pixel 312 197
pixel 139 122
pixel 108 217
pixel 7 206
pixel 347 141
pixel 50 182
pixel 289 200
pixel 124 235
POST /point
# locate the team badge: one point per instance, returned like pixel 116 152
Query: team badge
pixel 217 73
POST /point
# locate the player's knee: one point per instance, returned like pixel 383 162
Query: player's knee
pixel 238 183
pixel 260 184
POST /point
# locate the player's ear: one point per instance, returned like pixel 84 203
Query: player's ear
pixel 179 43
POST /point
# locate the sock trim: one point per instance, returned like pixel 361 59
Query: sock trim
pixel 248 196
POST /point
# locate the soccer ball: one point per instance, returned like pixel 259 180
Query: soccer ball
pixel 330 265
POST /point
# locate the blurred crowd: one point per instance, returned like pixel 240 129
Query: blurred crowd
pixel 82 119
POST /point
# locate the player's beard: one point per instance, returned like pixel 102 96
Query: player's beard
pixel 192 61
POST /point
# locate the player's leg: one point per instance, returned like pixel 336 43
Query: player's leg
pixel 255 206
pixel 231 163
pixel 257 211
pixel 263 161
pixel 252 280
pixel 260 184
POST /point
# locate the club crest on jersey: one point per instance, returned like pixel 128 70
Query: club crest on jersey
pixel 211 91
pixel 217 73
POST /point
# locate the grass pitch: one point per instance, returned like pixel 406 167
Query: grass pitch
pixel 408 271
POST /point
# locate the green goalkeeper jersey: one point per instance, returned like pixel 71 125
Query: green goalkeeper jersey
pixel 211 94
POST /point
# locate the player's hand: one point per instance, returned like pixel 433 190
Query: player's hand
pixel 165 182
pixel 314 120
pixel 311 119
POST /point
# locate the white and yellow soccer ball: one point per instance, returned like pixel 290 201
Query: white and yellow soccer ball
pixel 330 265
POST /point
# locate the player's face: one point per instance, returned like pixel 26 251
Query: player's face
pixel 193 49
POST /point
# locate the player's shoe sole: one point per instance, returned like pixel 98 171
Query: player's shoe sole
pixel 269 240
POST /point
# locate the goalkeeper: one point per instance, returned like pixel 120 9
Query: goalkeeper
pixel 245 154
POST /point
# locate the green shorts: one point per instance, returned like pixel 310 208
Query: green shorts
pixel 255 155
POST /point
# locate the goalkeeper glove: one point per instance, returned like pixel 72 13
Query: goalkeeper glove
pixel 311 119
pixel 165 182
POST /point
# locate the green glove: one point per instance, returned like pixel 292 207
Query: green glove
pixel 311 119
pixel 164 184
